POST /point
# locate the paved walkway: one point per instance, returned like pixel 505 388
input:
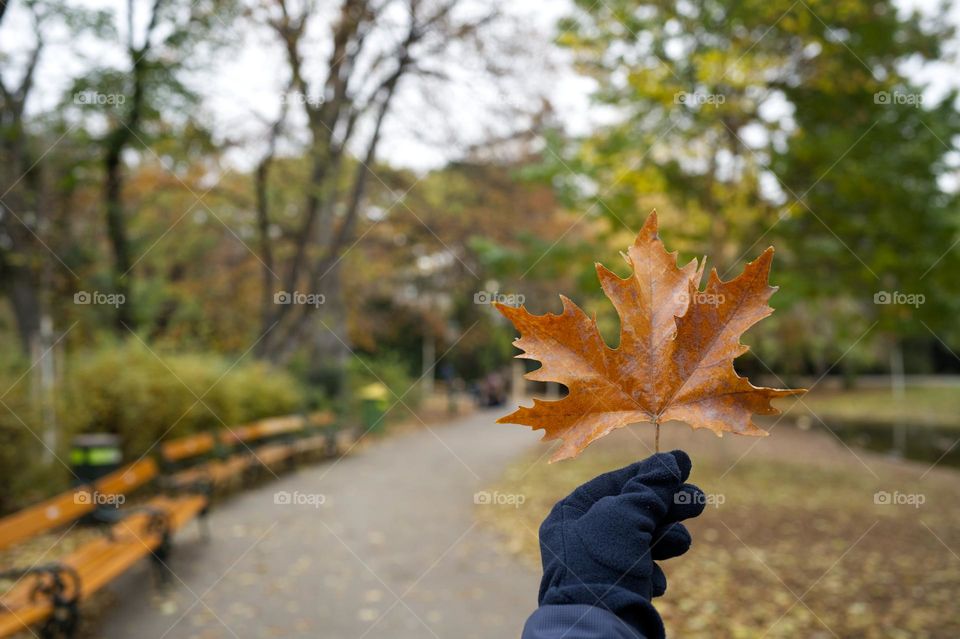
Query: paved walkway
pixel 393 552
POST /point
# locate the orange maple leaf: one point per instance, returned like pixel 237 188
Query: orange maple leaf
pixel 674 360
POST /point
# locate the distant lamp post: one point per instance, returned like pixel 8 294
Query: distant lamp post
pixel 431 304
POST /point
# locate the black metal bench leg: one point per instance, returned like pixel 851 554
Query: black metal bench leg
pixel 60 585
pixel 159 559
pixel 63 622
pixel 203 523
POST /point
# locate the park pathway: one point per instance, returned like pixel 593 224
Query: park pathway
pixel 393 552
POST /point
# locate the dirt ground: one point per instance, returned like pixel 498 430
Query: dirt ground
pixel 803 536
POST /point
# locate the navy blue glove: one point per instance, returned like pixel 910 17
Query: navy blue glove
pixel 598 545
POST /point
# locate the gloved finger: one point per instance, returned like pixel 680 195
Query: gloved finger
pixel 670 540
pixel 662 474
pixel 689 501
pixel 605 485
pixel 625 521
pixel 683 463
pixel 613 482
pixel 659 580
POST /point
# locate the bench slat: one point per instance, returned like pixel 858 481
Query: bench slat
pixel 128 479
pixel 99 561
pixel 54 512
pixel 186 447
pixel 68 506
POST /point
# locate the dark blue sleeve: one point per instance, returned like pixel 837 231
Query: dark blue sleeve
pixel 577 621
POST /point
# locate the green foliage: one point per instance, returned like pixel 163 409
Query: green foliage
pixel 794 124
pixel 23 478
pixel 258 389
pixel 918 407
pixel 145 396
pixel 140 395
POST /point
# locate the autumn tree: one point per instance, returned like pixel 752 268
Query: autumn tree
pixel 18 252
pixel 685 83
pixel 30 249
pixel 141 98
pixel 431 278
pixel 345 95
pixel 776 120
pixel 866 170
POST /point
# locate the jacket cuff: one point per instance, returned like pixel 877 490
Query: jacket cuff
pixel 629 607
pixel 577 621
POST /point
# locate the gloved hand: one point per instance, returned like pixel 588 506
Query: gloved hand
pixel 598 545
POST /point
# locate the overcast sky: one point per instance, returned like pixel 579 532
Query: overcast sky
pixel 242 87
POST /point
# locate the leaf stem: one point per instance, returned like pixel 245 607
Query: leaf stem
pixel 656 441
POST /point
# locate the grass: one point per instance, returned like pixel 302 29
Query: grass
pixel 919 406
pixel 799 546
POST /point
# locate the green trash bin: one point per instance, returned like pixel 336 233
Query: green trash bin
pixel 373 405
pixel 94 455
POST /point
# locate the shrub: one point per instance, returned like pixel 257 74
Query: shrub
pixel 138 394
pixel 145 396
pixel 258 389
pixel 24 475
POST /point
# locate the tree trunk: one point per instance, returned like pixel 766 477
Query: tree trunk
pixel 19 278
pixel 898 389
pixel 23 290
pixel 21 281
pixel 266 249
pixel 116 142
pixel 518 384
pixel 117 232
pixel 332 344
pixel 427 362
pixel 42 386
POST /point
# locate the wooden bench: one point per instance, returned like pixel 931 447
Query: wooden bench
pixel 179 459
pixel 211 461
pixel 290 437
pixel 268 441
pixel 49 593
pixel 317 436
